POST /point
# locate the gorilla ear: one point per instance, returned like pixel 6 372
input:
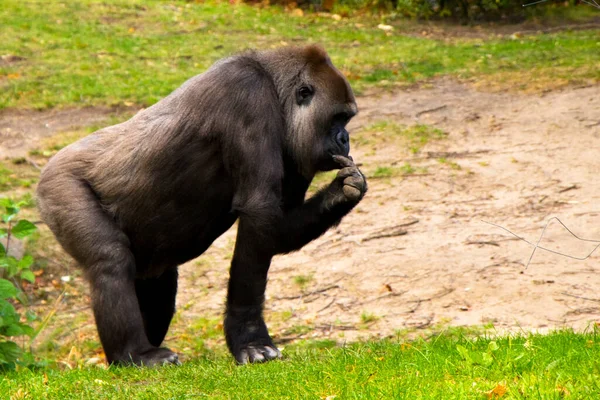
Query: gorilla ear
pixel 304 94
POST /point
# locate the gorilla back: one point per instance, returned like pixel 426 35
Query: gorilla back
pixel 241 141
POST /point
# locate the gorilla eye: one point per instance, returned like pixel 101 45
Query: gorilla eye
pixel 304 94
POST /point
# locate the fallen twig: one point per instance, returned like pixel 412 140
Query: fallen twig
pixel 337 327
pixel 34 164
pixel 308 294
pixel 430 110
pixel 483 242
pixel 572 187
pixel 443 293
pixel 580 297
pixel 396 230
pixel 286 339
pixel 579 311
pixel 455 154
pixel 327 306
pixel 391 294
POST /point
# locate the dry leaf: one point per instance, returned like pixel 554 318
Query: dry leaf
pixel 93 361
pixel 563 390
pixel 386 288
pixel 386 28
pixel 497 392
pixel 20 394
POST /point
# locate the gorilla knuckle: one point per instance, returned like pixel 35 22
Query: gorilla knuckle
pixel 352 193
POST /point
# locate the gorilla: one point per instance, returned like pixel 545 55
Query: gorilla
pixel 240 142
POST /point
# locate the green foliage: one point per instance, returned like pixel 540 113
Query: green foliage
pixel 12 272
pixel 472 357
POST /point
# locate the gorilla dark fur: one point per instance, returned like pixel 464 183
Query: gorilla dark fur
pixel 241 141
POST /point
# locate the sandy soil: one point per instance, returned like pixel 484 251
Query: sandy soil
pixel 21 131
pixel 416 251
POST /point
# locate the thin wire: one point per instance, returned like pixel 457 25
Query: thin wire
pixel 536 2
pixel 595 5
pixel 537 245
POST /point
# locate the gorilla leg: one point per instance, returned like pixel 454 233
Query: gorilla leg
pixel 245 330
pixel 118 313
pixel 156 297
pixel 93 238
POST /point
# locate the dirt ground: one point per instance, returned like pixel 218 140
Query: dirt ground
pixel 417 253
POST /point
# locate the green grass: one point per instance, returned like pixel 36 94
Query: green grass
pixel 384 172
pixel 302 280
pixel 385 132
pixel 367 318
pixel 451 164
pixel 448 366
pixel 13 177
pixel 136 51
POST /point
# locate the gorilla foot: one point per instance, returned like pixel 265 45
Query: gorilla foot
pixel 150 358
pixel 247 336
pixel 159 356
pixel 257 354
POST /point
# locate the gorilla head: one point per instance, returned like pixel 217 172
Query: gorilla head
pixel 318 103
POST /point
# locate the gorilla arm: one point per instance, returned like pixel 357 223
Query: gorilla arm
pixel 314 217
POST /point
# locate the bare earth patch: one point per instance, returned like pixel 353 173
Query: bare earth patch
pixel 450 31
pixel 22 130
pixel 416 251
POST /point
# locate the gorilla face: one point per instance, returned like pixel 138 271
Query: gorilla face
pixel 331 105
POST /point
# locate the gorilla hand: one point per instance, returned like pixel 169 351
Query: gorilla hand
pixel 353 183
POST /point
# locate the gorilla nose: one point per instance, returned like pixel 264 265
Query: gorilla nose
pixel 343 138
